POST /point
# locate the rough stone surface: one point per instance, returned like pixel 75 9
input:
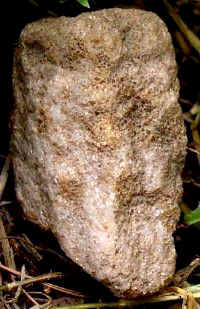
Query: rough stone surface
pixel 98 143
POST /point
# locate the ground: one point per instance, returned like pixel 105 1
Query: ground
pixel 24 247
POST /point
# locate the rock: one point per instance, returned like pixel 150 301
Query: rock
pixel 98 143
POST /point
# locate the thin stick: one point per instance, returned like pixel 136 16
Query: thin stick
pixel 190 36
pixel 12 285
pixel 45 305
pixel 30 248
pixel 47 285
pixel 19 289
pixel 1 293
pixel 31 298
pixel 64 290
pixel 3 203
pixel 12 271
pixel 6 248
pixel 169 295
pixel 4 176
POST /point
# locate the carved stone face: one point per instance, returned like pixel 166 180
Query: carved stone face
pixel 98 143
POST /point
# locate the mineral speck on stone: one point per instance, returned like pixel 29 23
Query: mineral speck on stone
pixel 98 143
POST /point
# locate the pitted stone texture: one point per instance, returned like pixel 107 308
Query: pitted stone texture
pixel 98 143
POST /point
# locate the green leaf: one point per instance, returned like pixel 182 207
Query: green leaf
pixel 193 217
pixel 84 3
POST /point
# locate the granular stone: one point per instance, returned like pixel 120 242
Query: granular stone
pixel 98 143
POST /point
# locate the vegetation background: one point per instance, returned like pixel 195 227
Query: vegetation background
pixel 26 252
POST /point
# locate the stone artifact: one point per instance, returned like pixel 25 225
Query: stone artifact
pixel 98 143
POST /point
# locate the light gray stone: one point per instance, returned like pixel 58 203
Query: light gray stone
pixel 98 143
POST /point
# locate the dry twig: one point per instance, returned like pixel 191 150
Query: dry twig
pixel 46 285
pixel 13 285
pixel 189 35
pixel 6 248
pixel 187 295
